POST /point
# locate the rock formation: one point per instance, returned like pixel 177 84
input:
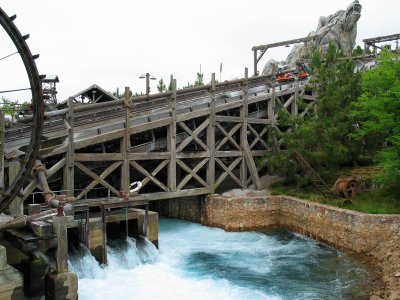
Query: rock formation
pixel 339 29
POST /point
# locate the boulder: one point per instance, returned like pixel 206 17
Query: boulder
pixel 340 29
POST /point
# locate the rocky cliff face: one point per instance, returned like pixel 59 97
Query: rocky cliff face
pixel 339 29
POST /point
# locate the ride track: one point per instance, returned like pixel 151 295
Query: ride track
pixel 227 105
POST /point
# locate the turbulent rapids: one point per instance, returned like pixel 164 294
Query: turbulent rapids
pixel 197 262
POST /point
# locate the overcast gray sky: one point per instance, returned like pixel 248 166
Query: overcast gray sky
pixel 111 43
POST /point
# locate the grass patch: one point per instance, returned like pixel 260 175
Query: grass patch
pixel 372 202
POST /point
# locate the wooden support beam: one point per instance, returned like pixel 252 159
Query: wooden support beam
pixel 258 136
pixel 192 173
pixel 295 105
pixel 244 113
pixel 150 156
pixel 211 138
pixel 192 155
pixel 104 234
pixel 151 177
pixel 61 255
pixel 228 171
pixel 34 209
pixel 171 140
pixel 252 166
pixel 98 157
pixel 126 143
pixel 16 206
pixel 69 171
pixel 171 195
pixel 228 136
pixel 193 135
pixel 97 179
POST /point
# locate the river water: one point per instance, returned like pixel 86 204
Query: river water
pixel 198 262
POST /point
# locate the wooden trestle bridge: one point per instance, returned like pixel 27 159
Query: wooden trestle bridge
pixel 181 143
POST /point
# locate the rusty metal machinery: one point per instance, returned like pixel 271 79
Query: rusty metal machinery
pixel 347 187
pixel 28 161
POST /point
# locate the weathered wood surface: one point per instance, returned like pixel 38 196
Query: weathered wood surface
pixel 204 136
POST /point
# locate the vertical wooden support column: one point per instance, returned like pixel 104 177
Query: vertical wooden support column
pixel 244 113
pixel 171 141
pixel 104 232
pixel 255 62
pixel 295 103
pixel 272 117
pixel 69 164
pixel 126 143
pixel 16 207
pixel 61 255
pixel 211 138
pixel 272 104
pixel 2 129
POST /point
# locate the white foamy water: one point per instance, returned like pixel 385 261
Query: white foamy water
pixel 197 262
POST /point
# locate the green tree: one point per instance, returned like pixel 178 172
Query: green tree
pixel 161 86
pixel 323 136
pixel 358 50
pixel 10 107
pixel 199 80
pixel 377 115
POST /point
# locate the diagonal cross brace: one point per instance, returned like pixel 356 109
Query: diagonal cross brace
pixel 97 179
pixel 192 173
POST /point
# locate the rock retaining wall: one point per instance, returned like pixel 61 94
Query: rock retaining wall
pixel 375 237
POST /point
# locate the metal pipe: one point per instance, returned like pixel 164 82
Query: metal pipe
pixel 48 195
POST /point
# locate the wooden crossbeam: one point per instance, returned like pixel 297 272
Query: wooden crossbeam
pixel 228 136
pixel 309 106
pixel 228 171
pixel 258 136
pixel 151 177
pixel 97 179
pixel 98 156
pixel 193 135
pixel 289 101
pixel 251 165
pixel 192 173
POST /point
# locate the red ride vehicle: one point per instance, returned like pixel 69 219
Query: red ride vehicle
pixel 284 77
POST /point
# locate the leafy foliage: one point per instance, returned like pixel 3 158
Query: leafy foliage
pixel 161 86
pixel 323 137
pixel 10 107
pixel 199 80
pixel 377 114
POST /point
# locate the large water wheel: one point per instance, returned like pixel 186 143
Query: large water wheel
pixel 37 106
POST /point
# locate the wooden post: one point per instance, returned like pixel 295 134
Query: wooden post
pixel 272 104
pixel 171 141
pixel 244 113
pixel 211 138
pixel 34 209
pixel 255 62
pixel 69 171
pixel 272 117
pixel 104 232
pixel 294 106
pixel 126 143
pixel 16 207
pixel 2 129
pixel 61 255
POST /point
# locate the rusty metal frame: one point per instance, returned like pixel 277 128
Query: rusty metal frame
pixel 28 161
